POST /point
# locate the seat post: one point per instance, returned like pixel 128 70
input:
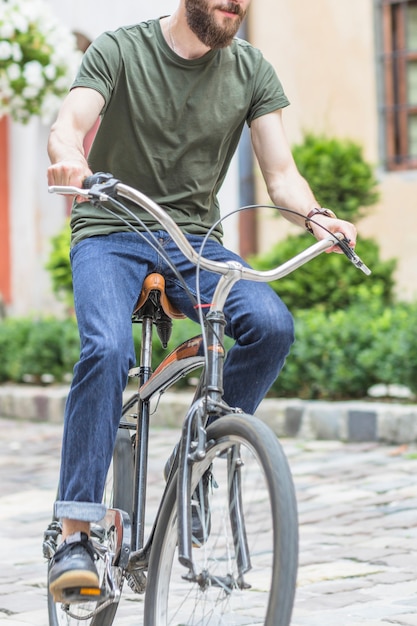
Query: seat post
pixel 145 369
pixel 142 438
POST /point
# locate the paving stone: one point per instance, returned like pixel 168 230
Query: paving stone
pixel 405 619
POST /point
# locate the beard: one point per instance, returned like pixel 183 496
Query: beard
pixel 202 22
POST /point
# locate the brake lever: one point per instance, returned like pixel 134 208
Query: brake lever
pixel 96 188
pixel 96 194
pixel 343 244
pixel 65 190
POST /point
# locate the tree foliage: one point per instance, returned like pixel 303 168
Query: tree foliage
pixel 338 174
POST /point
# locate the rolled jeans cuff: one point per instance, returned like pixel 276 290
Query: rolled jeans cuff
pixel 82 511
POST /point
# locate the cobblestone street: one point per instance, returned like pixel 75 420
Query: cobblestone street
pixel 358 531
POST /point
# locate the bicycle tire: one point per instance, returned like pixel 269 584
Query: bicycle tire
pixel 270 517
pixel 118 493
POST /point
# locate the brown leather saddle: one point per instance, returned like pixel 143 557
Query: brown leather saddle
pixel 155 284
pixel 154 303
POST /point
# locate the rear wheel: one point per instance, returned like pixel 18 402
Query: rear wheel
pixel 250 581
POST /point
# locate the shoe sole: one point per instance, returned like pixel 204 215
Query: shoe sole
pixel 73 579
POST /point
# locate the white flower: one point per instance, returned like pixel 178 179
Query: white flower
pixel 19 22
pixel 50 72
pixel 6 50
pixel 30 92
pixel 17 53
pixel 6 92
pixel 33 74
pixel 38 60
pixel 50 107
pixel 6 30
pixel 62 83
pixel 13 72
pixel 4 109
pixel 18 102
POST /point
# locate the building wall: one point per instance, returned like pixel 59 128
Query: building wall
pixel 34 217
pixel 325 54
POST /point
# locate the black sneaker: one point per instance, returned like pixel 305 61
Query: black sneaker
pixel 72 567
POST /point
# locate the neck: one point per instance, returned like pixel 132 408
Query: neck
pixel 180 37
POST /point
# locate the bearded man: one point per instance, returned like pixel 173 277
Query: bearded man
pixel 173 95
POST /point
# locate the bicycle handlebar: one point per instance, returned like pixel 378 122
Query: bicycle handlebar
pixel 102 187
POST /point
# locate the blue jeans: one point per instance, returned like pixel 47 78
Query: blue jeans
pixel 108 272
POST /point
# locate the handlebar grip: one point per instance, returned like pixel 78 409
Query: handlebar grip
pixel 96 179
pixel 343 244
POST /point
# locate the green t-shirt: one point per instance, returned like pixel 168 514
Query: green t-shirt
pixel 170 126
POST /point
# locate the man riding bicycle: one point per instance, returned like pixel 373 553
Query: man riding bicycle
pixel 173 95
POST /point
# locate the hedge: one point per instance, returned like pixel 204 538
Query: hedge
pixel 337 355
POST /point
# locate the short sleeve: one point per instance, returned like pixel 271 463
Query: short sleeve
pixel 268 94
pixel 100 66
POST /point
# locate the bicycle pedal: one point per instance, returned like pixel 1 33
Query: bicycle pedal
pixel 75 595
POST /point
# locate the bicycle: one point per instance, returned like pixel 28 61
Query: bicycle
pixel 244 569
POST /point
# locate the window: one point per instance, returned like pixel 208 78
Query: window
pixel 399 59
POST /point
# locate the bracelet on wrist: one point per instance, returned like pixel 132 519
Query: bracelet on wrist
pixel 317 211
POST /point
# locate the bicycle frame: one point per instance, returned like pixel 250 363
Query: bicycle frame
pixel 208 402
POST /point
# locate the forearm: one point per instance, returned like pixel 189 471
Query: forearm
pixel 68 163
pixel 294 194
pixel 77 116
pixel 291 191
pixel 65 144
pixel 286 187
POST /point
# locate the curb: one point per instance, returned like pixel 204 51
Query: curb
pixel 350 421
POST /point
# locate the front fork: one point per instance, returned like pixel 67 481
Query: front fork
pixel 192 449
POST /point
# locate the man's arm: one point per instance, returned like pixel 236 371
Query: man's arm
pixel 286 186
pixel 78 114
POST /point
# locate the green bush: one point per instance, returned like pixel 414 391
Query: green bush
pixel 32 347
pixel 13 337
pixel 342 354
pixel 338 174
pixel 337 355
pixel 59 266
pixel 52 347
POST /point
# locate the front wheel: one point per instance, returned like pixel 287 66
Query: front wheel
pixel 246 569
